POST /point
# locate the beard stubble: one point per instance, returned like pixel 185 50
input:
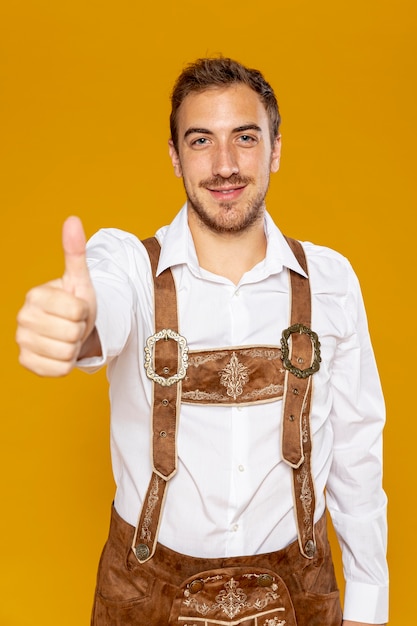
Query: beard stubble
pixel 231 219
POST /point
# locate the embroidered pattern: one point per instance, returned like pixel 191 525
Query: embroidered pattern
pixel 145 533
pixel 199 395
pixel 231 601
pixel 275 391
pixel 234 376
pixel 306 496
pixel 196 359
pixel 268 622
pixel 271 391
pixel 269 354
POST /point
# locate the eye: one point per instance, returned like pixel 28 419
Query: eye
pixel 247 140
pixel 200 142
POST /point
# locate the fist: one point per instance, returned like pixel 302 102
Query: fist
pixel 56 322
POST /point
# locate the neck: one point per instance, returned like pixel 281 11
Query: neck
pixel 228 254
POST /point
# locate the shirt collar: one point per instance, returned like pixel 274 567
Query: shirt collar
pixel 177 248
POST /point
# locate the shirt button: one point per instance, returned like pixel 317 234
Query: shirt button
pixel 241 468
pixel 235 527
pixel 237 292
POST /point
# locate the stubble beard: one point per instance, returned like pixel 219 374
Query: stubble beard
pixel 230 219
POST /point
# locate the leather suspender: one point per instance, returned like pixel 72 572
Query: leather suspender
pixel 166 362
pixel 296 435
pixel 166 399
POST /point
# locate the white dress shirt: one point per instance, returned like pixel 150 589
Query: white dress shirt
pixel 232 493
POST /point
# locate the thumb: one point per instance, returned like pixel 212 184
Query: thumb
pixel 76 274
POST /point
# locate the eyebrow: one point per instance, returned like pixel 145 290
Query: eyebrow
pixel 241 129
pixel 199 131
pixel 206 131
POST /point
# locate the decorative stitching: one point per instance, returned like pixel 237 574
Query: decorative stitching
pixel 306 496
pixel 204 395
pixel 195 358
pixel 270 354
pixel 234 376
pixel 271 391
pixel 231 600
pixel 153 498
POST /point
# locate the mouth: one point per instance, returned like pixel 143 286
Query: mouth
pixel 226 193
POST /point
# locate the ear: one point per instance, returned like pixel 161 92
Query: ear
pixel 276 154
pixel 175 159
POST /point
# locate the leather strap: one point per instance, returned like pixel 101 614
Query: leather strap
pixel 165 398
pixel 165 408
pixel 296 439
pixel 296 435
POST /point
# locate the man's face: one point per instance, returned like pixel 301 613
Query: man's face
pixel 225 156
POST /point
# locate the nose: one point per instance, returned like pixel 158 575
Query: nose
pixel 225 161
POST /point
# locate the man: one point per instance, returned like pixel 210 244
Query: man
pixel 246 435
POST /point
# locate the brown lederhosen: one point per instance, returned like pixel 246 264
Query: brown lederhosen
pixel 141 582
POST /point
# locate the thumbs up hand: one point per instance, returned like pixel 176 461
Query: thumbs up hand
pixel 76 278
pixel 56 322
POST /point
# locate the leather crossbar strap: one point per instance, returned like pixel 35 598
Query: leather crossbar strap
pixel 296 435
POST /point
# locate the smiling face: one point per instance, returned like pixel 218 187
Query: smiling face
pixel 225 157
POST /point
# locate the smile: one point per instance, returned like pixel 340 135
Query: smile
pixel 231 193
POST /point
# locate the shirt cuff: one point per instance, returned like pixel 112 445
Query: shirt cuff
pixel 365 603
pixel 91 364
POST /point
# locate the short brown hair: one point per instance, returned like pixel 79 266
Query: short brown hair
pixel 217 72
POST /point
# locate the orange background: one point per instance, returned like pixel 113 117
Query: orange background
pixel 84 106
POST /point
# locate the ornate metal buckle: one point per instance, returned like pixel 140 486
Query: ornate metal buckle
pixel 285 351
pixel 166 334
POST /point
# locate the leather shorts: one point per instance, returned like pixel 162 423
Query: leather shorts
pixel 274 589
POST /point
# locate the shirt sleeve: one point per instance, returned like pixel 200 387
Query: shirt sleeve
pixel 355 497
pixel 109 261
